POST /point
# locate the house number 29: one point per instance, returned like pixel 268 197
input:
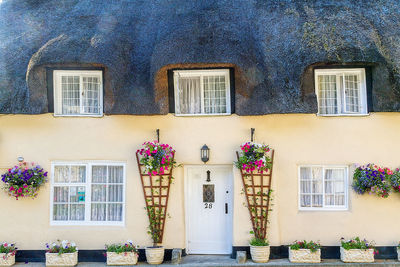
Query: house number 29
pixel 208 205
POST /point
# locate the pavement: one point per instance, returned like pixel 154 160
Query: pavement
pixel 226 261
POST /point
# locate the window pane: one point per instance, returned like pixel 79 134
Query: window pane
pixel 77 194
pixel 70 95
pixel 305 173
pixel 99 174
pixel 60 212
pixel 327 94
pixel 115 193
pixel 317 200
pixel 305 200
pixel 91 95
pixel 115 212
pixel 214 94
pixel 77 212
pixel 329 200
pixel 60 194
pixel 99 193
pixel 189 95
pixel 61 174
pixel 352 93
pixel 98 212
pixel 78 174
pixel 339 199
pixel 116 174
pixel 305 186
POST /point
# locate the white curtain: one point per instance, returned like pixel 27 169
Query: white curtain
pixel 311 191
pixel 70 95
pixel 327 94
pixel 91 95
pixel 352 93
pixel 214 94
pixel 189 95
pixel 334 187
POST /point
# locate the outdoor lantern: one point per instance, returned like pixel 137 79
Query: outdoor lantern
pixel 205 153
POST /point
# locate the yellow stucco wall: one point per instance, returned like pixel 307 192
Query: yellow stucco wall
pixel 297 139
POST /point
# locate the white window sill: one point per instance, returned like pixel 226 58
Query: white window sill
pixel 83 223
pixel 203 115
pixel 343 115
pixel 80 115
pixel 324 209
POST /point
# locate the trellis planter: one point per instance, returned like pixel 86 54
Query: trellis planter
pixel 304 255
pixel 260 254
pixel 65 259
pixel 6 259
pixel 124 258
pixel 357 255
pixel 154 255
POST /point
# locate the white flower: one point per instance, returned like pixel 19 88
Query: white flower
pixel 130 242
pixel 53 245
pixel 64 243
pixel 73 244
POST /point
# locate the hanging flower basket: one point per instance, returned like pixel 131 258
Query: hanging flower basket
pixel 24 180
pixel 372 179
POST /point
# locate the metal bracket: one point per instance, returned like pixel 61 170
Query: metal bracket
pixel 252 134
pixel 158 135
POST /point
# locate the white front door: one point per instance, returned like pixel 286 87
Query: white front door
pixel 209 209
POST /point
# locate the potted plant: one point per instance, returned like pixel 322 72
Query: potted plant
pixel 7 254
pixel 306 252
pixel 158 162
pixel 122 254
pixel 357 250
pixel 372 179
pixel 259 249
pixel 24 180
pixel 398 252
pixel 61 253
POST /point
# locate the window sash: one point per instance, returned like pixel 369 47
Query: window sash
pixel 324 193
pixel 84 110
pixel 202 74
pixel 88 194
pixel 343 92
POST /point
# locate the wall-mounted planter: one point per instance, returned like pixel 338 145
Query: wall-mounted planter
pixel 260 254
pixel 7 259
pixel 154 255
pixel 65 259
pixel 304 255
pixel 357 255
pixel 124 258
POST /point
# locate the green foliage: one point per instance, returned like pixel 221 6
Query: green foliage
pixel 61 247
pixel 259 242
pixel 122 248
pixel 356 243
pixel 8 248
pixel 155 218
pixel 311 245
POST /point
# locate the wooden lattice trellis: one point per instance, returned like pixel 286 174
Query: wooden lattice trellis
pixel 257 188
pixel 156 194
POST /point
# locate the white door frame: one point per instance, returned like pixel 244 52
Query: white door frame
pixel 186 197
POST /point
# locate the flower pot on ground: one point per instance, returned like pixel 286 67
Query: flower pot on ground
pixel 122 254
pixel 155 254
pixel 61 253
pixel 356 250
pixel 306 252
pixel 259 250
pixel 398 252
pixel 7 254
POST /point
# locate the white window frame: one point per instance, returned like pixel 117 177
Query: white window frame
pixel 340 93
pixel 57 91
pixel 88 192
pixel 201 73
pixel 324 207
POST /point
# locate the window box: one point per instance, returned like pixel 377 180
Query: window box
pixel 123 258
pixel 78 93
pixel 323 187
pixel 202 92
pixel 304 255
pixel 87 193
pixel 7 259
pixel 64 259
pixel 357 255
pixel 341 92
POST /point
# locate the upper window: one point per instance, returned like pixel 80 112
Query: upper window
pixel 323 188
pixel 88 193
pixel 341 91
pixel 202 92
pixel 78 93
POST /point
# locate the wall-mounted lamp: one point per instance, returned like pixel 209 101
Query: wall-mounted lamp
pixel 205 153
pixel 20 159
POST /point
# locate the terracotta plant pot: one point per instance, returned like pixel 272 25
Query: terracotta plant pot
pixel 124 258
pixel 304 255
pixel 7 259
pixel 357 255
pixel 65 259
pixel 154 255
pixel 260 254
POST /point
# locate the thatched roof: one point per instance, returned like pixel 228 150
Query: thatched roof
pixel 272 46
